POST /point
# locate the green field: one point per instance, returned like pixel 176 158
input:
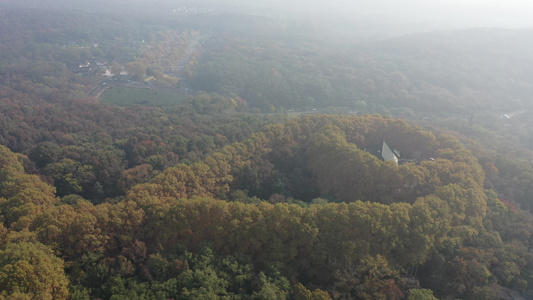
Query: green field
pixel 126 96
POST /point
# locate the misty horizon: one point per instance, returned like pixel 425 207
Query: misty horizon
pixel 393 17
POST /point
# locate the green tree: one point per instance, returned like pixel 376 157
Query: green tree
pixel 421 294
pixel 300 292
pixel 71 177
pixel 46 153
pixel 272 288
pixel 137 70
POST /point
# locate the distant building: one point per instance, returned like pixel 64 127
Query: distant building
pixel 108 73
pixel 124 72
pixel 383 152
pixel 101 63
pixel 80 67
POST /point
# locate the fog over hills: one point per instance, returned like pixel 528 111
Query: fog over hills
pixel 382 17
pixel 232 149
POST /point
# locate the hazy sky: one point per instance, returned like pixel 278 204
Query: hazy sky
pixel 488 13
pixel 445 13
pixel 455 13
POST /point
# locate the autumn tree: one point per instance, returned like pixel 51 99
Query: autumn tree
pixel 31 271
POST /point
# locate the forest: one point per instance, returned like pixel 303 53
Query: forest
pixel 228 156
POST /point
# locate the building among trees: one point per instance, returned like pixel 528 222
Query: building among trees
pixel 384 152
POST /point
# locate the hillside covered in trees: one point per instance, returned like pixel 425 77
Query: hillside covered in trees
pixel 209 155
pixel 195 230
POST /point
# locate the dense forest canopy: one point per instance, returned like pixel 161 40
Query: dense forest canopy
pixel 211 152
